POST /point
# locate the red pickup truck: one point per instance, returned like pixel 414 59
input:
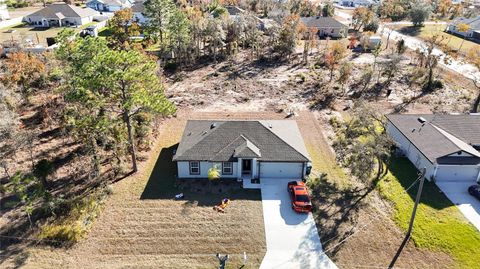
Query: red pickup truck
pixel 299 195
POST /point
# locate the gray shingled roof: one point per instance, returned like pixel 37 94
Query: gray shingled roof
pixel 276 140
pixel 474 22
pixel 59 10
pixel 322 22
pixel 441 135
pixel 138 6
pixel 246 150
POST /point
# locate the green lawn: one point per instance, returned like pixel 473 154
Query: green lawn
pixel 88 24
pixel 104 32
pixel 439 225
pixel 23 32
pixel 452 41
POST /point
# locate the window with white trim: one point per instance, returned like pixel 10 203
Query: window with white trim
pixel 194 168
pixel 227 168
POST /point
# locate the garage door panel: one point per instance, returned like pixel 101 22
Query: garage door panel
pixel 281 170
pixel 456 173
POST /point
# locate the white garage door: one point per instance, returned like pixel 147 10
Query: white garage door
pixel 281 170
pixel 457 173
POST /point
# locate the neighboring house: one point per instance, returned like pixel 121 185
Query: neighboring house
pixel 109 5
pixel 358 3
pixel 138 10
pixel 326 26
pixel 58 15
pixel 242 150
pixel 473 31
pixel 262 24
pixel 448 146
pixel 4 11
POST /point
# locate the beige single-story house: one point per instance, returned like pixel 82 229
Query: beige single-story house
pixel 109 5
pixel 326 26
pixel 60 15
pixel 242 150
pixel 138 10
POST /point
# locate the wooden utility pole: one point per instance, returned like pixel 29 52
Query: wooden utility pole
pixel 417 200
pixel 421 177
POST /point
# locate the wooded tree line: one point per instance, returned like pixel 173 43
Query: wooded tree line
pixel 103 95
pixel 419 11
pixel 182 32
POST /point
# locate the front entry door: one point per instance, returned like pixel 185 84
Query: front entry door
pixel 246 167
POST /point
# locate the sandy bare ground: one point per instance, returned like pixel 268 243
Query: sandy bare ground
pixel 244 84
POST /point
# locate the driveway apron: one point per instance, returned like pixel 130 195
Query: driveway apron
pixel 292 238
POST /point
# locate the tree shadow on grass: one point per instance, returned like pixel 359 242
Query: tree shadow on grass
pixel 411 30
pixel 162 184
pixel 406 173
pixel 336 210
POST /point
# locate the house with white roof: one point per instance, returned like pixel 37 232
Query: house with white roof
pixel 58 15
pixel 109 5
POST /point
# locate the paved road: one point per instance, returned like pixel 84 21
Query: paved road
pixel 457 192
pixel 292 239
pixel 465 69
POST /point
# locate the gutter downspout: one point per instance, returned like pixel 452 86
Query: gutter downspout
pixel 478 176
pixel 435 169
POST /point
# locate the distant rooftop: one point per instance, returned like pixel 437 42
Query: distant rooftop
pixel 322 22
pixel 60 11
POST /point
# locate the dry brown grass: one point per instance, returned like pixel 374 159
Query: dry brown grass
pixel 342 209
pixel 133 232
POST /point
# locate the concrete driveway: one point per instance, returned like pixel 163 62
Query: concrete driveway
pixel 457 192
pixel 292 239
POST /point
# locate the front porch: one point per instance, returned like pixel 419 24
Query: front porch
pixel 249 183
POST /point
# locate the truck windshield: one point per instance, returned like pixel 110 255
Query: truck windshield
pixel 303 198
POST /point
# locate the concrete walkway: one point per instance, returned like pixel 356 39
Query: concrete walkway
pixel 292 238
pixel 457 192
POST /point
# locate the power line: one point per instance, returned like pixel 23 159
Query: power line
pixel 363 227
pixel 406 191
